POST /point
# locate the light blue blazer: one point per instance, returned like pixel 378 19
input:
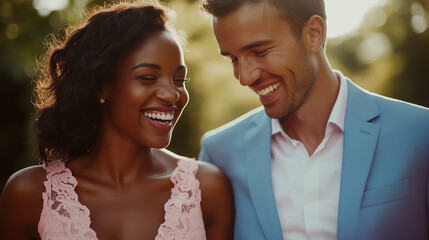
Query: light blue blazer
pixel 384 191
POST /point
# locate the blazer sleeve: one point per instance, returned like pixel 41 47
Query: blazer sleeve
pixel 427 207
pixel 204 156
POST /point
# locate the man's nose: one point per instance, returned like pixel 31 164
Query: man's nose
pixel 247 72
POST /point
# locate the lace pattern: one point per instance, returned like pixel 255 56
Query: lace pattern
pixel 183 215
pixel 63 216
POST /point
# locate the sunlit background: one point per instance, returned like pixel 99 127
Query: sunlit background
pixel 382 45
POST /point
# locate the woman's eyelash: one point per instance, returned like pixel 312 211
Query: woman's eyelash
pixel 182 79
pixel 153 78
pixel 147 77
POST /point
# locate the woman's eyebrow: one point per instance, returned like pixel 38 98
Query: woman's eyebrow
pixel 149 65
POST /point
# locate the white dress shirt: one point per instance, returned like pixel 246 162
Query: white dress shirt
pixel 307 188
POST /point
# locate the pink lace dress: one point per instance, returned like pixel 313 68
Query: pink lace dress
pixel 63 217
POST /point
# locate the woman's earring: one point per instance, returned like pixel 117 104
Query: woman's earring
pixel 102 101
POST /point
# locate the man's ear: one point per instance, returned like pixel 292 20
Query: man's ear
pixel 313 33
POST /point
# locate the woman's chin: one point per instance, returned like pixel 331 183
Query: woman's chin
pixel 160 144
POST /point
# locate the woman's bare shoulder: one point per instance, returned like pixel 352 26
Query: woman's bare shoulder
pixel 27 183
pixel 212 178
pixel 217 201
pixel 208 174
pixel 21 203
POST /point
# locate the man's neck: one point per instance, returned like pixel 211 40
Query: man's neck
pixel 308 123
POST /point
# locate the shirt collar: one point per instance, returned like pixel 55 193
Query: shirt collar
pixel 275 126
pixel 337 114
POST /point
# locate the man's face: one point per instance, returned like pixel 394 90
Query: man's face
pixel 267 56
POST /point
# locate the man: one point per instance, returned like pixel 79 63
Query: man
pixel 323 158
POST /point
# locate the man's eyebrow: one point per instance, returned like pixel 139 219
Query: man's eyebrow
pixel 149 65
pixel 249 46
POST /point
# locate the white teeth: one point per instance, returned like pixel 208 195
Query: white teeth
pixel 268 90
pixel 166 116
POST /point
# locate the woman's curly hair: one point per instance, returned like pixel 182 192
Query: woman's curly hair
pixel 76 68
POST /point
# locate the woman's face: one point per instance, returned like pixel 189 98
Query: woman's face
pixel 148 95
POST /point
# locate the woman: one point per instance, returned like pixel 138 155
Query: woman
pixel 107 104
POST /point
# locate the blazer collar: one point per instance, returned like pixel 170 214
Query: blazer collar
pixel 259 180
pixel 360 140
pixel 360 103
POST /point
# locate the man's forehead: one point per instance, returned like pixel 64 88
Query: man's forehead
pixel 252 19
pixel 248 12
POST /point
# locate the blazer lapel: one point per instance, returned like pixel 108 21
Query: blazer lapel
pixel 258 160
pixel 360 140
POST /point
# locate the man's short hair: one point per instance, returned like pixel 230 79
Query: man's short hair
pixel 296 12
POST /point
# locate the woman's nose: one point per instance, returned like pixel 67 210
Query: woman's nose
pixel 168 92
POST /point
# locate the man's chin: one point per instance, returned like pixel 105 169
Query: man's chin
pixel 277 113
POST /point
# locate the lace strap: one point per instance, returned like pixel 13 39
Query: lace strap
pixel 185 183
pixel 63 216
pixel 59 184
pixel 183 216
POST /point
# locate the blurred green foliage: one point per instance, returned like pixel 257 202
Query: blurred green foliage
pixel 387 55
